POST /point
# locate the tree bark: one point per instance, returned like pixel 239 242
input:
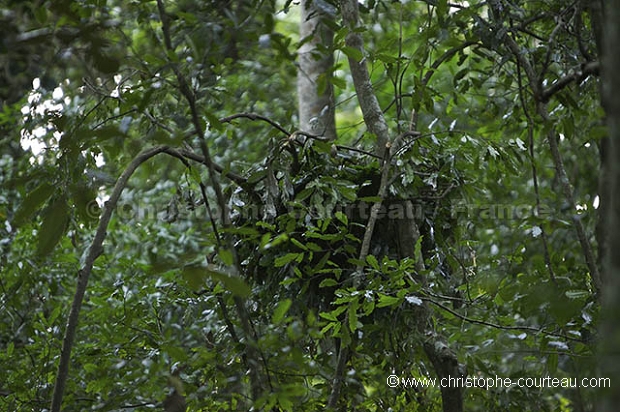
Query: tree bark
pixel 609 354
pixel 316 60
pixel 596 12
pixel 444 361
pixel 95 249
pixel 373 115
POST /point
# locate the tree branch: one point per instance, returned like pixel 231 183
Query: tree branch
pixel 244 316
pixel 590 68
pixel 371 111
pixel 186 153
pixel 95 249
pixel 496 325
pixel 541 109
pixel 254 116
pixel 569 193
pixel 445 57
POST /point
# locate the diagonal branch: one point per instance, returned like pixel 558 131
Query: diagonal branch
pixel 590 68
pixel 376 124
pixel 94 251
pixel 569 193
pixel 445 57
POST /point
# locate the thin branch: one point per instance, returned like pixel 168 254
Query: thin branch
pixel 244 316
pixel 550 42
pixel 445 57
pixel 186 153
pixel 495 325
pixel 343 356
pixel 530 134
pixel 588 69
pixel 254 116
pixel 519 54
pixel 569 193
pixel 541 109
pixel 356 150
pixel 95 249
pixel 118 116
pixel 376 124
pixel 374 214
pixel 308 135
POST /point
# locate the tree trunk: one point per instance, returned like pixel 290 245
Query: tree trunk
pixel 596 13
pixel 316 60
pixel 444 361
pixel 609 359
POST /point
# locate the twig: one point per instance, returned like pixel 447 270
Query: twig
pixel 495 325
pixel 343 356
pixel 185 153
pixel 254 116
pixel 530 134
pixel 445 57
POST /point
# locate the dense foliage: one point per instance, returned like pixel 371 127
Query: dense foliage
pixel 230 276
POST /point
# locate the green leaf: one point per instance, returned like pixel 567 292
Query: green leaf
pixel 333 315
pixel 214 122
pixel 386 300
pixel 577 294
pixel 352 315
pixel 371 199
pixel 327 283
pixel 32 202
pixel 226 256
pixel 103 133
pixel 298 244
pixel 386 58
pixel 233 284
pixel 104 63
pixel 372 261
pixel 313 247
pixel 54 225
pixel 417 251
pixel 342 218
pixel 280 310
pixel 195 276
pixel 328 316
pixel 90 367
pixel 84 200
pixel 353 53
pixel 286 259
pixel 338 82
pixel 368 306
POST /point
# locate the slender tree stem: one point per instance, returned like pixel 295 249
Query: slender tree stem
pixel 252 354
pixel 95 249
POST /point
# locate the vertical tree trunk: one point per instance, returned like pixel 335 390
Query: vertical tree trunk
pixel 609 359
pixel 444 361
pixel 596 13
pixel 316 60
